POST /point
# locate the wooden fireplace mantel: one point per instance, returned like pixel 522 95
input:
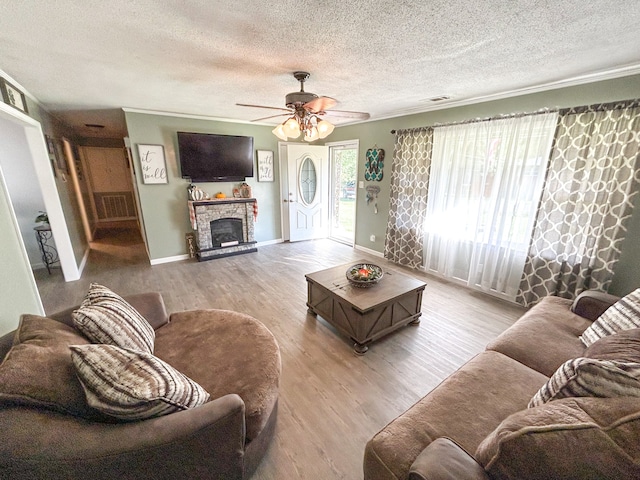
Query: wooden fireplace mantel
pixel 221 201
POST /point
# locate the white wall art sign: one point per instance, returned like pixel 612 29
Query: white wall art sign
pixel 153 164
pixel 265 166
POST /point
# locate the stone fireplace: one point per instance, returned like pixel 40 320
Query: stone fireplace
pixel 226 232
pixel 223 227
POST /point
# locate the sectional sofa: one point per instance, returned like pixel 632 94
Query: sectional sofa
pixel 477 423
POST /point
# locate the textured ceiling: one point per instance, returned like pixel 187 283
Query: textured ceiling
pixel 86 60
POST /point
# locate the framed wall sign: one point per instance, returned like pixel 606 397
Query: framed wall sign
pixel 374 164
pixel 152 164
pixel 12 96
pixel 265 166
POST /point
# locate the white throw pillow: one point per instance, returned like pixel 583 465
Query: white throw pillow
pixel 105 317
pixel 622 315
pixel 588 377
pixel 132 385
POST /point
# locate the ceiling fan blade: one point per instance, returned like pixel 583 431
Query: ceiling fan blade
pixel 273 116
pixel 262 106
pixel 320 104
pixel 348 114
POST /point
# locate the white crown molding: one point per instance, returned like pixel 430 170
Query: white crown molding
pixel 26 92
pixel 17 84
pixel 611 74
pixel 191 116
pixel 620 72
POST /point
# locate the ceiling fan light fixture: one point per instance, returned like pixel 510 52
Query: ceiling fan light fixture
pixel 279 132
pixel 291 128
pixel 305 108
pixel 325 128
pixel 311 134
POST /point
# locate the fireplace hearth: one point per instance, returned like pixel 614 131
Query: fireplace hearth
pixel 223 227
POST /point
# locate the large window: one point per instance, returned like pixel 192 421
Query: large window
pixel 484 186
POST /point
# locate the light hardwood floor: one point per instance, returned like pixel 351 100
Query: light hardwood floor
pixel 331 401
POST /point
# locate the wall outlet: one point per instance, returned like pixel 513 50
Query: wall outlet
pixel 372 238
pixel 360 184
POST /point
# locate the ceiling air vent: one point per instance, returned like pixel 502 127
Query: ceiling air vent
pixel 437 99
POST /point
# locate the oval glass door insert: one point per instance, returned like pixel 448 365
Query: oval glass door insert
pixel 307 181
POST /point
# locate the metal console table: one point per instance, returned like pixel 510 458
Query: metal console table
pixel 48 251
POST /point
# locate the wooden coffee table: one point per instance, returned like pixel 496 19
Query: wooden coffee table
pixel 364 314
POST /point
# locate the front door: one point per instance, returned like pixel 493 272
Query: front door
pixel 307 192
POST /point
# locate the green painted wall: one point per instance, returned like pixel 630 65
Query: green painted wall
pixel 19 294
pixel 627 276
pixel 379 133
pixel 57 130
pixel 164 207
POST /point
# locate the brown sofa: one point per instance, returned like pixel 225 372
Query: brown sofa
pixel 476 424
pixel 233 356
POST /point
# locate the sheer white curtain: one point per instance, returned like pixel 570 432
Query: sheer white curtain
pixel 484 188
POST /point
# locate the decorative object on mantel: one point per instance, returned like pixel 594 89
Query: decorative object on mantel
pixel 196 193
pixel 364 275
pixel 372 196
pixel 245 190
pixel 265 166
pixel 236 192
pixel 12 96
pixel 153 164
pixel 220 195
pixel 374 164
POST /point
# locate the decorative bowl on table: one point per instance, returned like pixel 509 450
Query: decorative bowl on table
pixel 364 275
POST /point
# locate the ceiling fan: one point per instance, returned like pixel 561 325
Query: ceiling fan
pixel 305 110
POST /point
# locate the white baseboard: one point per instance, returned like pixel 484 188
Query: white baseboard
pixel 175 258
pixel 270 242
pixel 83 262
pixel 369 251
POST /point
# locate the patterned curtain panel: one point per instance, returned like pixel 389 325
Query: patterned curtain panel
pixel 408 196
pixel 593 177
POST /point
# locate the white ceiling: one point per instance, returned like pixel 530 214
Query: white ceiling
pixel 85 60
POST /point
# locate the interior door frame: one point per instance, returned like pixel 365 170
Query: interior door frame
pixel 283 158
pixel 283 161
pixel 44 178
pixel 75 181
pixel 89 154
pixel 346 144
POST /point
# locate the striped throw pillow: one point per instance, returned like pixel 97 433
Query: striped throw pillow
pixel 622 315
pixel 105 317
pixel 132 385
pixel 588 377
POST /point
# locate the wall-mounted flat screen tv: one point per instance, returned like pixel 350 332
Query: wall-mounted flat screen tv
pixel 206 157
